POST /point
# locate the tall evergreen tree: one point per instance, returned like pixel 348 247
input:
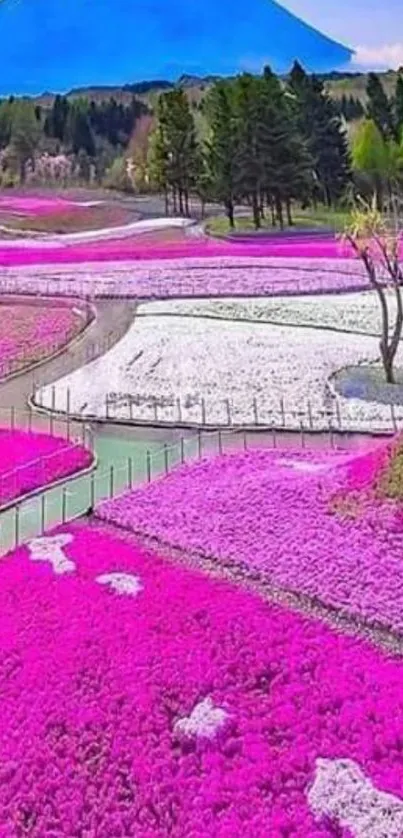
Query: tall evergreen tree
pixel 222 145
pixel 249 159
pixel 180 147
pixel 379 108
pixel 399 106
pixel 25 133
pixel 321 126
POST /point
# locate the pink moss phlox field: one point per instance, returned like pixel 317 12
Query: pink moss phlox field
pixel 29 333
pixel 188 277
pixel 308 522
pixel 94 683
pixel 29 461
pixel 129 249
pixel 34 206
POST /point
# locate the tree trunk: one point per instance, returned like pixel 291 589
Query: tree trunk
pixel 279 211
pixel 387 362
pixel 230 214
pixel 256 213
pixel 273 214
pixel 289 214
pixel 175 201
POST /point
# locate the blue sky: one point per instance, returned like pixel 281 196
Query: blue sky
pixel 375 26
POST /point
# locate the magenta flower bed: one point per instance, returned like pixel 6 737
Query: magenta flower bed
pixel 129 249
pixel 99 734
pixel 29 333
pixel 29 461
pixel 30 205
pixel 274 514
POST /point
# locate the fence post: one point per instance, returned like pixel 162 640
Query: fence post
pixel 106 406
pixel 43 512
pixel 331 437
pixel 310 415
pixel 245 441
pixel 228 407
pixel 51 421
pixel 130 409
pixel 64 504
pixel 203 412
pixel 12 418
pixel 148 460
pixel 182 450
pixel 220 441
pixel 255 411
pixel 53 397
pixel 68 402
pixel 273 436
pixel 130 473
pixel 393 414
pixel 111 482
pixel 199 444
pixel 17 525
pixel 155 405
pixel 338 414
pixel 302 434
pixel 92 490
pixel 83 434
pixel 282 409
pixel 166 461
pixel 29 419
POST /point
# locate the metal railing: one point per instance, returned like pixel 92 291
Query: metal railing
pixel 260 414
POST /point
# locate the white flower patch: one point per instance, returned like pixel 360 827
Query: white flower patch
pixel 342 792
pixel 205 720
pixel 304 466
pixel 121 583
pixel 50 549
pixel 211 372
pixel 355 312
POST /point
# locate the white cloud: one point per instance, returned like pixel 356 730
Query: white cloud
pixel 385 57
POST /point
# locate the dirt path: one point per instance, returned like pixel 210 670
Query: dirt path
pixel 113 318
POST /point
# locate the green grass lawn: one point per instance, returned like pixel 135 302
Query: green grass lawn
pixel 303 219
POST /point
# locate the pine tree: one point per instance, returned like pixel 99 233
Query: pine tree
pixel 249 159
pixel 321 126
pixel 25 133
pixel 180 148
pixel 379 107
pixel 399 106
pixel 78 133
pixel 222 145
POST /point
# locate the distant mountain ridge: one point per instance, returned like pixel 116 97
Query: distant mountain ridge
pixel 47 45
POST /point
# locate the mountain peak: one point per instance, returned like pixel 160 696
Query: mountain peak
pixel 63 45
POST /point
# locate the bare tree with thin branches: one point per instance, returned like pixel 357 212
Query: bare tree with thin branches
pixel 376 241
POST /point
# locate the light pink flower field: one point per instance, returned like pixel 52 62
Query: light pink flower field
pixel 31 332
pixel 142 699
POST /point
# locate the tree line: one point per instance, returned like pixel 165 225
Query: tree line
pixel 267 144
pixel 377 146
pixel 92 133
